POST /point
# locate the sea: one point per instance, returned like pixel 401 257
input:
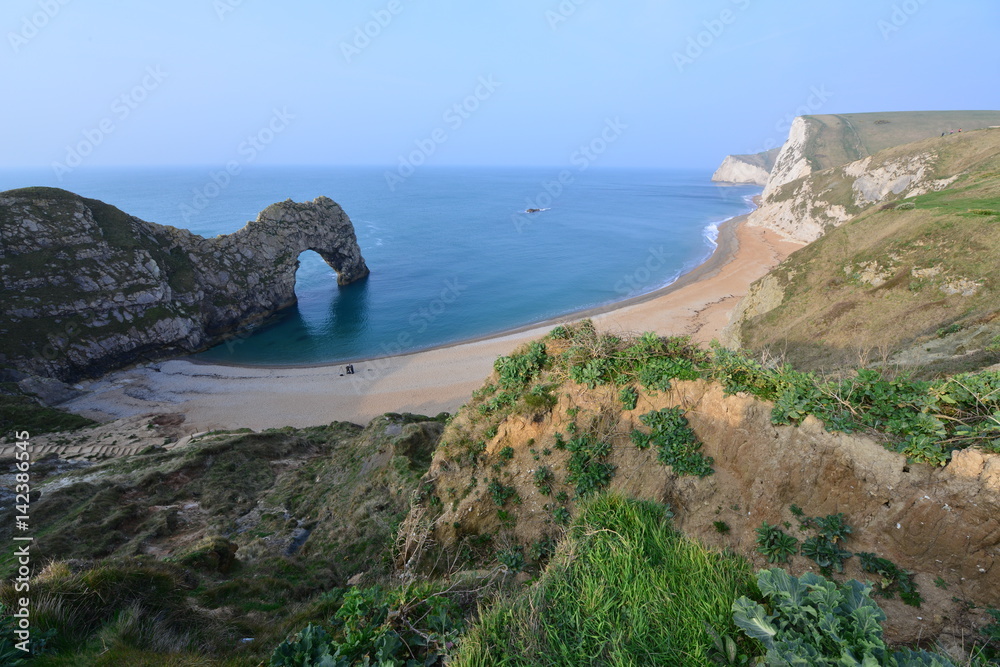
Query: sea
pixel 453 253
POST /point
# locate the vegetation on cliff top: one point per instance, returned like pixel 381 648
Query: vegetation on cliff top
pixel 256 535
pixel 911 282
pixel 841 138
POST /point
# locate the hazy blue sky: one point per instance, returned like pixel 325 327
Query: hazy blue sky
pixel 667 83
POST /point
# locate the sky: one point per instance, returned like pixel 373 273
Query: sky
pixel 638 83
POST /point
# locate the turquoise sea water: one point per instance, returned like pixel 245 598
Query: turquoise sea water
pixel 452 254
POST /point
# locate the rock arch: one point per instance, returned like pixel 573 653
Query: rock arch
pixel 117 289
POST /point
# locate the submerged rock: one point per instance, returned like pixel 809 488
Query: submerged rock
pixel 88 288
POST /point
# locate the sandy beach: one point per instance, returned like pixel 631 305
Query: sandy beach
pixel 427 382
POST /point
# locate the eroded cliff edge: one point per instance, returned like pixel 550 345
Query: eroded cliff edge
pixel 754 169
pixel 88 288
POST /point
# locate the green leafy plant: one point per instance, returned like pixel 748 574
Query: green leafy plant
pixel 926 419
pixel 813 621
pixel 640 439
pixel 832 526
pixel 561 515
pixel 412 625
pixel 892 579
pixel 541 550
pixel 725 650
pixel 586 467
pixel 9 653
pixel 310 647
pixel 512 559
pixel 677 443
pixel 629 398
pixel 543 478
pixel 501 493
pixel 517 370
pixel 775 543
pixel 506 454
pixel 825 553
pixel 721 527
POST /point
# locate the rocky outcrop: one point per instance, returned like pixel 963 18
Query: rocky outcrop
pixel 802 204
pixel 753 169
pixel 89 288
pixel 792 162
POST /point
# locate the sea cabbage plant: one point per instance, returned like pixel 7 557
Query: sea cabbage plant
pixel 812 621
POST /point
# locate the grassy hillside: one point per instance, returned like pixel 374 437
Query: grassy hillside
pixel 843 138
pixel 172 557
pixel 510 549
pixel 916 278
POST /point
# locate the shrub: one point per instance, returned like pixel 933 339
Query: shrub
pixel 677 443
pixel 409 625
pixel 517 370
pixel 540 397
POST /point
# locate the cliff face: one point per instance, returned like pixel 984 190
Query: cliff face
pixel 753 169
pixel 512 486
pixel 900 261
pixel 803 204
pixel 88 288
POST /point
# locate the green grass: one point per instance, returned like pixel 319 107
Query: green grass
pixel 22 413
pixel 843 138
pixel 926 250
pixel 624 588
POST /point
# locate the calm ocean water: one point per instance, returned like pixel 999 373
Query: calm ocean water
pixel 451 252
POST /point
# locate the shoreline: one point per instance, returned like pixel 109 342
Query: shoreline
pixel 726 246
pixel 429 381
